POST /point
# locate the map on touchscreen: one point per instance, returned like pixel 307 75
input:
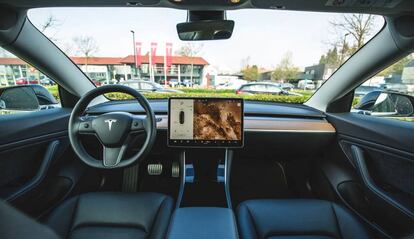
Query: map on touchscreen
pixel 206 121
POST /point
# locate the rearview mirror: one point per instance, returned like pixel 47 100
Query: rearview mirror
pixel 205 30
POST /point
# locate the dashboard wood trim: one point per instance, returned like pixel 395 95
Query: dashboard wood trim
pixel 267 124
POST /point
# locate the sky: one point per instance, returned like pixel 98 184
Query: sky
pixel 262 36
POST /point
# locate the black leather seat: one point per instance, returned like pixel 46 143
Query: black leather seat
pixel 113 215
pixel 297 218
pixel 16 225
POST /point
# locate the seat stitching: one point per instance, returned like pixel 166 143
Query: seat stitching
pixel 114 225
pixel 156 217
pixel 336 220
pixel 74 214
pixel 287 233
pixel 251 219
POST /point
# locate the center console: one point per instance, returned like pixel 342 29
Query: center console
pixel 203 223
pixel 206 130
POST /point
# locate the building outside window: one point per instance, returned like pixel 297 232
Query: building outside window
pixel 109 70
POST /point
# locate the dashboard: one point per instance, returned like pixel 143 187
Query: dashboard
pixel 282 127
pixel 258 116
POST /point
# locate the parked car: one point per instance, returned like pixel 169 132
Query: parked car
pixel 231 85
pixel 110 82
pixel 173 83
pixel 186 83
pixel 263 88
pixel 148 86
pixel 96 82
pixel 395 87
pixel 287 86
pixel 306 85
pixel 363 90
pixel 27 81
pixel 46 81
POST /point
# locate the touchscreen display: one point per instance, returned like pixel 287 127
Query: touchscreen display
pixel 205 122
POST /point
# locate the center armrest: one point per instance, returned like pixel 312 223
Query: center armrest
pixel 203 222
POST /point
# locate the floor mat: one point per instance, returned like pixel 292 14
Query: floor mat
pixel 254 178
pixel 163 183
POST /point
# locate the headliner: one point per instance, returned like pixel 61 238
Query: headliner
pixel 375 7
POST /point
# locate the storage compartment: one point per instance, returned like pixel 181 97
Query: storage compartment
pixel 203 223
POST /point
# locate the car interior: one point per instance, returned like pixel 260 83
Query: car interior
pixel 150 168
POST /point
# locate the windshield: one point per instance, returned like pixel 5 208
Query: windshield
pixel 118 45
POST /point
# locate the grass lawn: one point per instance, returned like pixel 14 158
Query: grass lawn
pixel 188 92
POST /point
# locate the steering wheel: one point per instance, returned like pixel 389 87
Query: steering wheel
pixel 114 130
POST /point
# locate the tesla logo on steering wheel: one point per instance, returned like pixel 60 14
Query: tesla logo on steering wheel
pixel 110 121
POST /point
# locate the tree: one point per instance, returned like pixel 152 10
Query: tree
pixel 285 70
pixel 358 26
pixel 190 50
pixel 398 67
pixel 346 51
pixel 245 62
pixel 50 22
pixel 86 46
pixel 250 73
pixel 48 27
pixel 331 58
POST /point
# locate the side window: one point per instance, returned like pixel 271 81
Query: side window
pixel 133 85
pixel 247 87
pixel 257 87
pixel 23 88
pixel 146 86
pixel 273 89
pixel 389 94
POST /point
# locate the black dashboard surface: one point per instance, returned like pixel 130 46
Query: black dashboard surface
pixel 251 108
pixel 267 125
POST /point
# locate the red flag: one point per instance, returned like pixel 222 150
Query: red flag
pixel 168 54
pixel 153 52
pixel 137 54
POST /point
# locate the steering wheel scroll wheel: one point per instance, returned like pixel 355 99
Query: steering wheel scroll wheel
pixel 114 129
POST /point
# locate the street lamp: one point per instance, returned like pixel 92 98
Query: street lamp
pixel 343 48
pixel 135 53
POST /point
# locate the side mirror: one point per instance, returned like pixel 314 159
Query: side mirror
pixel 18 98
pixel 391 104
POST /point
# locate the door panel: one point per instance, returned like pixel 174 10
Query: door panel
pixel 380 154
pixel 395 135
pixel 24 128
pixel 33 149
pixel 25 173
